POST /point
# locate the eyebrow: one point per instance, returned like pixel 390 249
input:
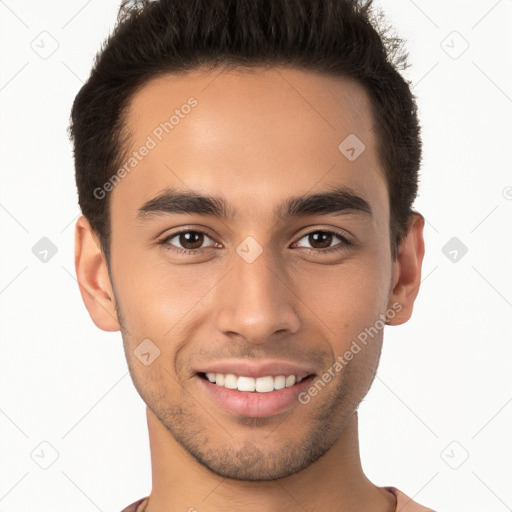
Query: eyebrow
pixel 335 201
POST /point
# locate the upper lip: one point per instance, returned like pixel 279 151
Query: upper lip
pixel 254 369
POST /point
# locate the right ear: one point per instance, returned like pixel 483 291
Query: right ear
pixel 93 279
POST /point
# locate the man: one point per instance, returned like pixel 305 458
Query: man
pixel 246 172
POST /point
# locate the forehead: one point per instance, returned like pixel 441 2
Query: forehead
pixel 252 136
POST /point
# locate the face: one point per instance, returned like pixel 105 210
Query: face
pixel 259 283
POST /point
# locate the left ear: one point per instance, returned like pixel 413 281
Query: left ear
pixel 407 270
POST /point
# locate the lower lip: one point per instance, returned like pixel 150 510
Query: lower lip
pixel 253 404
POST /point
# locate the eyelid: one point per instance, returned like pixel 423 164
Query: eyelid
pixel 344 239
pixel 165 240
pixel 342 233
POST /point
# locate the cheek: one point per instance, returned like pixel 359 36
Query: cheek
pixel 347 298
pixel 160 301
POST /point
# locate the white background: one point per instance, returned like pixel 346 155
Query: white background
pixel 444 387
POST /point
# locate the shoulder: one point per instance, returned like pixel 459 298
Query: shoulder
pixel 137 506
pixel 406 504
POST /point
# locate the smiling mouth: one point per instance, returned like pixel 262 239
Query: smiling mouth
pixel 265 384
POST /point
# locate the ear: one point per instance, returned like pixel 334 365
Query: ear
pixel 93 279
pixel 407 270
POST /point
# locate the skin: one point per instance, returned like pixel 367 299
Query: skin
pixel 255 139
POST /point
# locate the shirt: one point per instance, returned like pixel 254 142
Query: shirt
pixel 403 503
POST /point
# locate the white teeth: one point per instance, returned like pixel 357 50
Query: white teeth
pixel 259 385
pixel 264 384
pixel 280 382
pixel 246 384
pixel 230 381
pixel 290 380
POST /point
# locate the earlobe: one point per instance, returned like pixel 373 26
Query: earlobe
pixel 407 271
pixel 93 279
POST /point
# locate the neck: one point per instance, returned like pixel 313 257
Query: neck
pixel 334 482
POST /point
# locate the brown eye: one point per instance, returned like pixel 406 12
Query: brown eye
pixel 189 241
pixel 321 241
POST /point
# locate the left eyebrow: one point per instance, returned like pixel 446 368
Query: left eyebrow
pixel 335 201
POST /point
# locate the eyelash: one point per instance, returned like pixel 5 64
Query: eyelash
pixel 337 248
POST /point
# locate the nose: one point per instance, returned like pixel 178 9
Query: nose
pixel 257 300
